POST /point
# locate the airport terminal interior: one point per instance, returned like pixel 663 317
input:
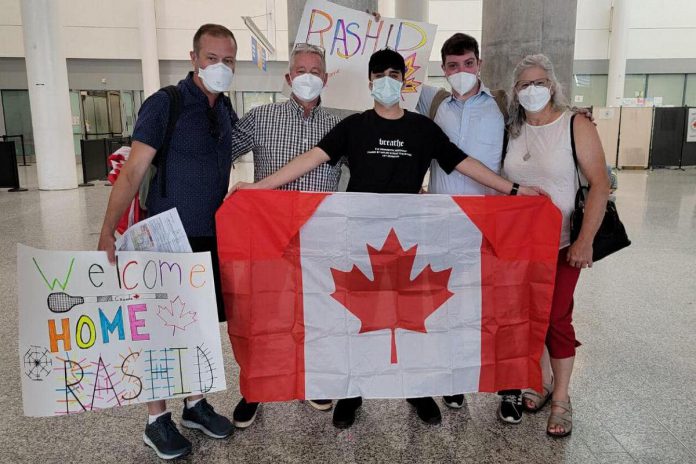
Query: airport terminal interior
pixel 633 386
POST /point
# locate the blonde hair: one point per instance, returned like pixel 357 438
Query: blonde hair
pixel 516 112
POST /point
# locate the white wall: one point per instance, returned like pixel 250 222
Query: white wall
pixel 657 29
pixel 454 16
pixel 107 29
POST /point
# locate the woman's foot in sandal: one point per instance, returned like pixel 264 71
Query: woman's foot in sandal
pixel 533 401
pixel 561 419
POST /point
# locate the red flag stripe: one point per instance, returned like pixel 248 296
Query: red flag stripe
pixel 261 271
pixel 518 250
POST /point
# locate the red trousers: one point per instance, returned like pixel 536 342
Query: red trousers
pixel 560 338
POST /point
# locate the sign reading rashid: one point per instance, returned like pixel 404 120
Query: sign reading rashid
pixel 94 336
pixel 349 37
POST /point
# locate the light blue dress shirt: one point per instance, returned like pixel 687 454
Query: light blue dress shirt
pixel 476 126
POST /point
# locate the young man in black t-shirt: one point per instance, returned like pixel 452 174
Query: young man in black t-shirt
pixel 388 150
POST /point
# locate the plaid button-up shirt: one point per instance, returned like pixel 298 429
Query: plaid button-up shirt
pixel 278 132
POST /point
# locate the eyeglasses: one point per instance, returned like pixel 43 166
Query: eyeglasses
pixel 521 85
pixel 214 128
pixel 306 47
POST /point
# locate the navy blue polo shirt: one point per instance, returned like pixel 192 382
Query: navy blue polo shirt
pixel 198 162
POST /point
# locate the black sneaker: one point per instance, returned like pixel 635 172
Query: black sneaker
pixel 427 409
pixel 244 414
pixel 454 401
pixel 204 418
pixel 321 405
pixel 163 437
pixel 344 412
pixel 510 408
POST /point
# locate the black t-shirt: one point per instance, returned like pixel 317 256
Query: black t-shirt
pixel 389 155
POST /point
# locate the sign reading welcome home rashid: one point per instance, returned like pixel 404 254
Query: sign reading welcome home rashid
pixel 350 37
pixel 94 336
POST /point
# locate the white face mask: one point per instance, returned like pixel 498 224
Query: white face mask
pixel 533 98
pixel 462 82
pixel 216 77
pixel 307 87
pixel 386 90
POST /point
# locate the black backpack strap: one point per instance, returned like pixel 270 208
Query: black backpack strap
pixel 160 159
pixel 228 104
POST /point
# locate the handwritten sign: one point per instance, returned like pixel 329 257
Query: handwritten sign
pixel 94 336
pixel 350 37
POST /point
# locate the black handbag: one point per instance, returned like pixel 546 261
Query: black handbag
pixel 611 235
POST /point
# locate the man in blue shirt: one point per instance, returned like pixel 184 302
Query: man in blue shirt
pixel 469 116
pixel 194 179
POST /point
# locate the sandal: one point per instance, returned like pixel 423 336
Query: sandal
pixel 539 400
pixel 564 419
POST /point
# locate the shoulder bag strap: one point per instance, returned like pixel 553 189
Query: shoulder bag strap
pixel 440 96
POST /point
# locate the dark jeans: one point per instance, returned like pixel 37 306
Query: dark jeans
pixel 201 244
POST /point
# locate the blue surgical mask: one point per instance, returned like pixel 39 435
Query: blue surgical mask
pixel 386 90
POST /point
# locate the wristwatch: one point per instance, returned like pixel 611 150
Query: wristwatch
pixel 515 188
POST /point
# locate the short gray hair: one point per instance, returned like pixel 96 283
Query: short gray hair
pixel 296 51
pixel 515 110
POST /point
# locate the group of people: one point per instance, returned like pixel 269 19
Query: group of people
pixel 461 137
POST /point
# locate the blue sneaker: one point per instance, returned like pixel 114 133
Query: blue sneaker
pixel 163 437
pixel 204 418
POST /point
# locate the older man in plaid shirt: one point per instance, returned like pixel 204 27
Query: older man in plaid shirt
pixel 278 132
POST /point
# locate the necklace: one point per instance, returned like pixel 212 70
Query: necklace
pixel 526 145
pixel 527 155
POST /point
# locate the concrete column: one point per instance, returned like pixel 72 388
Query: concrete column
pixel 149 56
pixel 387 8
pixel 618 51
pixel 296 7
pixel 49 95
pixel 512 30
pixel 415 10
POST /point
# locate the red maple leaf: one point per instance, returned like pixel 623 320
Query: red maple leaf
pixel 392 300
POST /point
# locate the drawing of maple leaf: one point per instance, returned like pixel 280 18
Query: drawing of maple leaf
pixel 174 315
pixel 392 300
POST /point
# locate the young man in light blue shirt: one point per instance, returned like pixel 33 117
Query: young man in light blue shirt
pixel 470 116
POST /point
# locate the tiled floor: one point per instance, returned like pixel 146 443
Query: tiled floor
pixel 634 388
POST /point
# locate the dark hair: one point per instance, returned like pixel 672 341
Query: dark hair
pixel 216 30
pixel 382 60
pixel 459 44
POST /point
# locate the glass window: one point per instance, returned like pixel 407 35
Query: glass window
pixel 589 90
pixel 634 86
pixel 15 104
pixel 690 96
pixel 254 99
pixel 76 120
pixel 438 81
pixel 668 87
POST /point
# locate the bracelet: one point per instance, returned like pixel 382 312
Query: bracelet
pixel 515 188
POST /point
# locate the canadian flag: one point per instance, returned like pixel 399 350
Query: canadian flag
pixel 386 296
